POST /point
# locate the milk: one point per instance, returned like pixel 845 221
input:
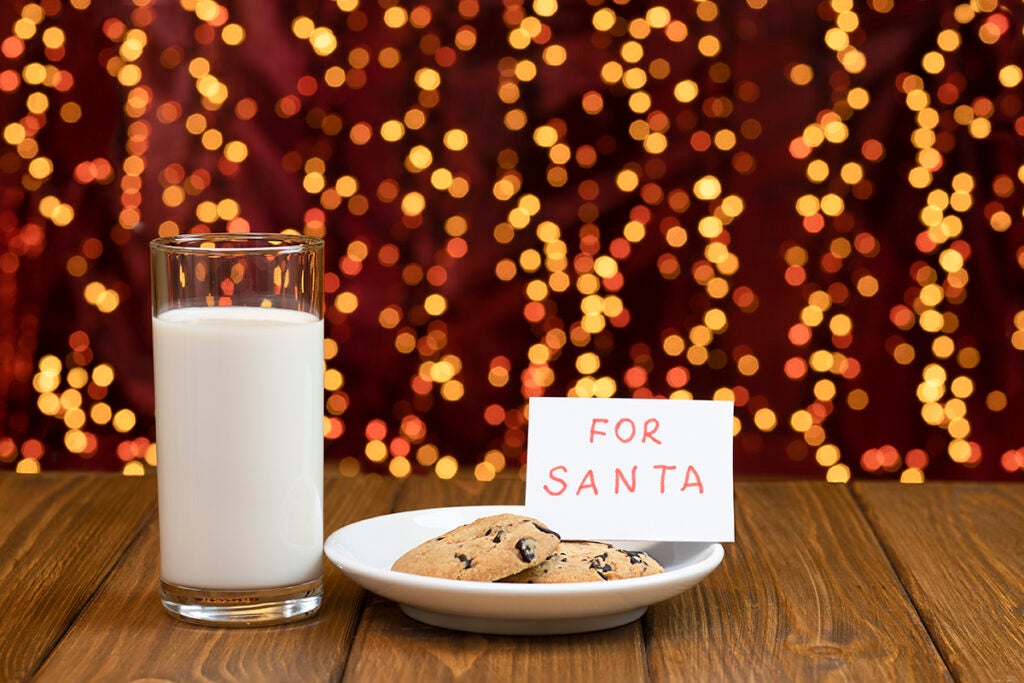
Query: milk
pixel 239 420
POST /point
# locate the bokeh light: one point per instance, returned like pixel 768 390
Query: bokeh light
pixel 812 209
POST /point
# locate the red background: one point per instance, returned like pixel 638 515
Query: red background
pixel 902 86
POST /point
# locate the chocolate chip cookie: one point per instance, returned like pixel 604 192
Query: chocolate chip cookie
pixel 588 561
pixel 487 549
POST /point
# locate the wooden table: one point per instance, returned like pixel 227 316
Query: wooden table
pixel 872 581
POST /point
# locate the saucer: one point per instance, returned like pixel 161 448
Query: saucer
pixel 365 551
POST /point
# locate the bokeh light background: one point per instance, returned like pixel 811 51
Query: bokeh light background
pixel 810 208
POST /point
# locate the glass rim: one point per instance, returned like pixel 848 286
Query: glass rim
pixel 263 243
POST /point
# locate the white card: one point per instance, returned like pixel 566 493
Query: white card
pixel 631 469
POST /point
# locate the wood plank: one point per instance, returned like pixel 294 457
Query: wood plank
pixel 805 593
pixel 431 492
pixel 391 646
pixel 126 618
pixel 60 534
pixel 959 549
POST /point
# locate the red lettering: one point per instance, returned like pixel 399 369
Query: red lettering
pixel 664 469
pixel 625 480
pixel 620 477
pixel 551 475
pixel 687 483
pixel 632 430
pixel 587 483
pixel 626 430
pixel 650 426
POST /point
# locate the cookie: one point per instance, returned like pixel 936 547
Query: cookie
pixel 488 549
pixel 588 561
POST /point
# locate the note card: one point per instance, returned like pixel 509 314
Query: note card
pixel 631 469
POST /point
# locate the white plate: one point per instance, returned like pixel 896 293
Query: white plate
pixel 366 550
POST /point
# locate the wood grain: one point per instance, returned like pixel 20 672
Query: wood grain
pixel 959 549
pixel 127 620
pixel 391 646
pixel 60 534
pixel 431 492
pixel 811 590
pixel 805 593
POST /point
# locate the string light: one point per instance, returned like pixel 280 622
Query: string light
pixel 608 199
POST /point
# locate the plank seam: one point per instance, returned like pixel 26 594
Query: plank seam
pixel 144 522
pixel 889 552
pixel 346 656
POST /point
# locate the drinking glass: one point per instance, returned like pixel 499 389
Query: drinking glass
pixel 238 367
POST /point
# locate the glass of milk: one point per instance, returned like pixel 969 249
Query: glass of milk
pixel 238 367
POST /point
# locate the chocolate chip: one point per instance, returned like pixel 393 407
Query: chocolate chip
pixel 546 530
pixel 636 556
pixel 527 548
pixel 466 562
pixel 599 565
pixel 498 536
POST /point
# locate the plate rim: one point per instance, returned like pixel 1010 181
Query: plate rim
pixel 516 608
pixel 709 556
